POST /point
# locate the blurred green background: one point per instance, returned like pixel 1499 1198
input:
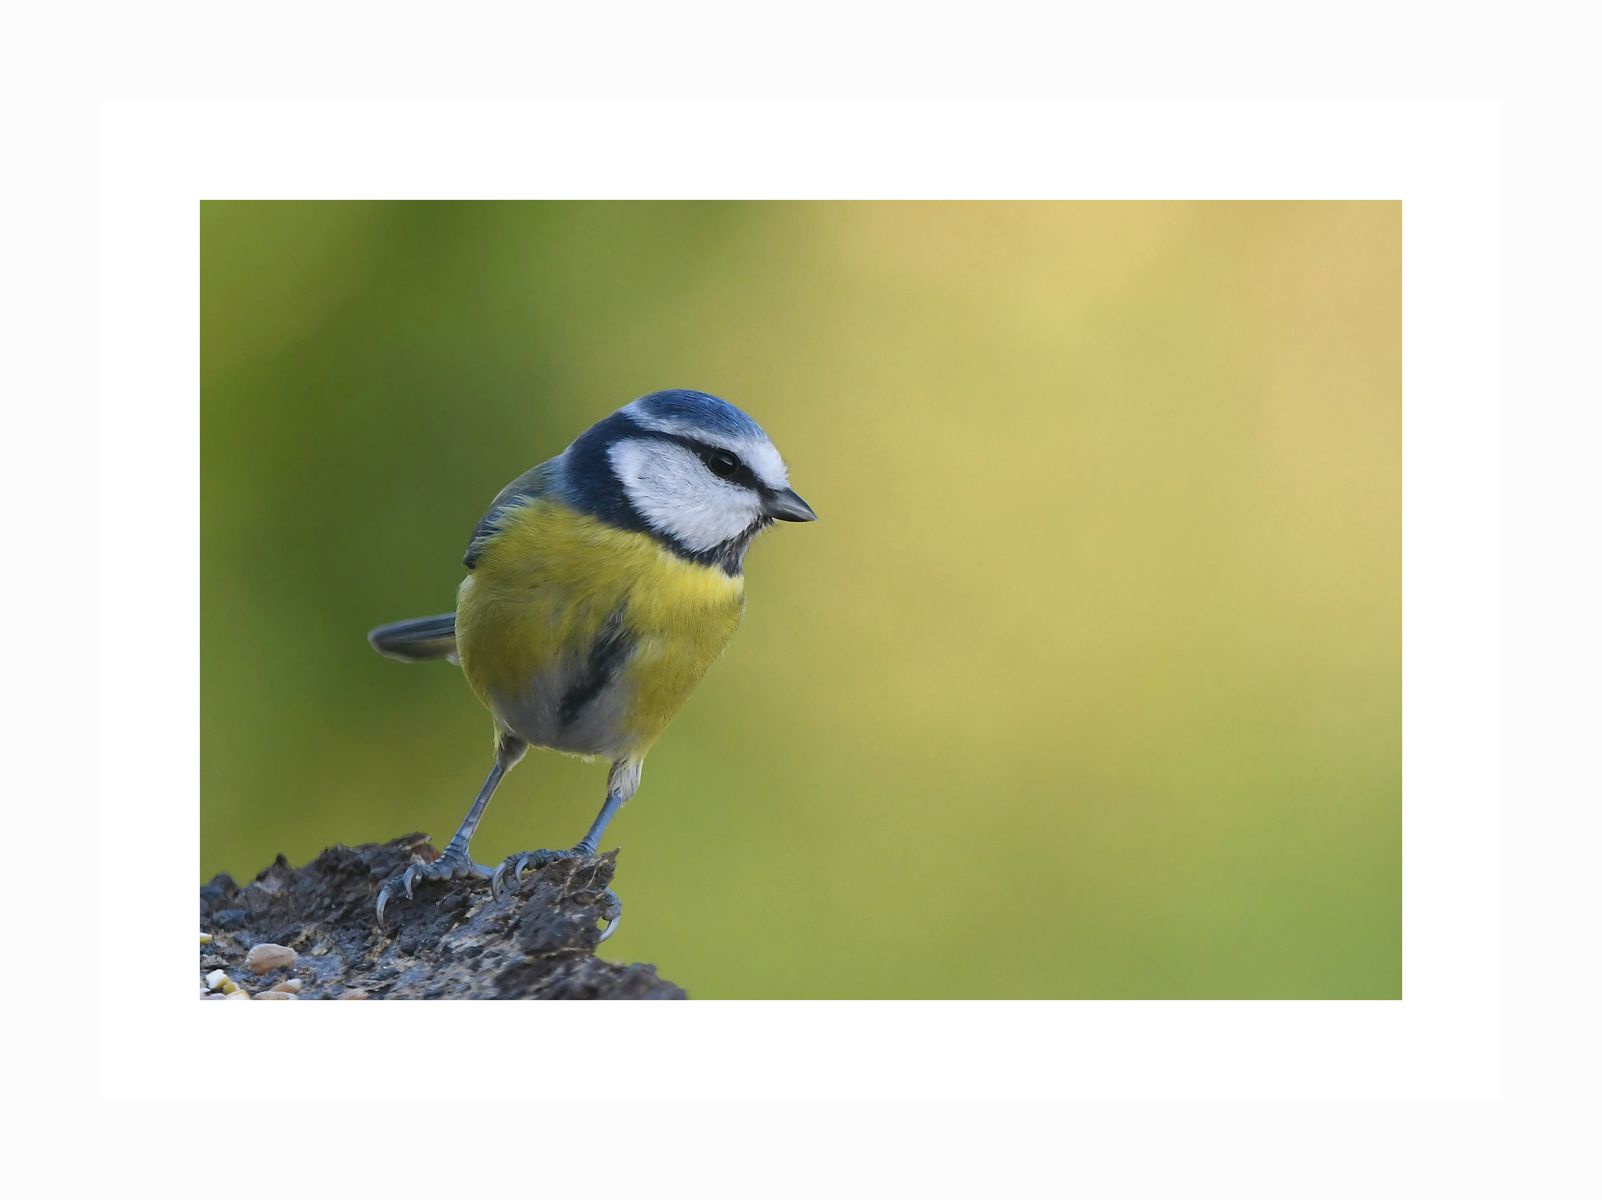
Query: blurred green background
pixel 1086 684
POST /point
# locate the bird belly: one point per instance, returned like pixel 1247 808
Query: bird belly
pixel 588 639
pixel 534 709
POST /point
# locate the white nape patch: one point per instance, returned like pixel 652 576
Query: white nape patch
pixel 678 496
pixel 758 453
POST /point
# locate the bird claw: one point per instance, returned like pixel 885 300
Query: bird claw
pixel 520 864
pixel 383 900
pixel 509 876
pixel 498 880
pixel 612 910
pixel 453 864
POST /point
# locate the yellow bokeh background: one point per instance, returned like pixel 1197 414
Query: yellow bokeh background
pixel 1087 683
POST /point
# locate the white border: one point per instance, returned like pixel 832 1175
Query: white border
pixel 1442 1040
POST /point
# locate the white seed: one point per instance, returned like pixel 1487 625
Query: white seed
pixel 268 956
pixel 215 979
pixel 275 994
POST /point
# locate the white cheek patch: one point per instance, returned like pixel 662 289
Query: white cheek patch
pixel 672 489
pixel 758 453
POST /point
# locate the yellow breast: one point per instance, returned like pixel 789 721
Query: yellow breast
pixel 547 588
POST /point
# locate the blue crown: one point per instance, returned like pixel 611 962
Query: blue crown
pixel 699 409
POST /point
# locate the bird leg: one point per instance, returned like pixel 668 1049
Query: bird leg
pixel 621 785
pixel 455 862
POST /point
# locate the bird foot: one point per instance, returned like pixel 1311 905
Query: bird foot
pixel 453 864
pixel 509 876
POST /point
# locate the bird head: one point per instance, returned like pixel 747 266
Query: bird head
pixel 690 469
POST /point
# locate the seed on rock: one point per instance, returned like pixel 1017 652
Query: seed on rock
pixel 273 994
pixel 216 979
pixel 288 985
pixel 268 956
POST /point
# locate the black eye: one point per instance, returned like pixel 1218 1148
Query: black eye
pixel 723 464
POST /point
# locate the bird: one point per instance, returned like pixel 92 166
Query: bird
pixel 601 585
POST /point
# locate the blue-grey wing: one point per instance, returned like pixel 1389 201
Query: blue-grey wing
pixel 530 485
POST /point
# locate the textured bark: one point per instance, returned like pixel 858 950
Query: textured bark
pixel 451 942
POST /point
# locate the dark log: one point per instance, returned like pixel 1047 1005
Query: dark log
pixel 452 941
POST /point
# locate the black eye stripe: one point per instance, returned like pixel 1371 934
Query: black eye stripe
pixel 714 456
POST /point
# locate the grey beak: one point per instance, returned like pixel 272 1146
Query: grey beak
pixel 787 506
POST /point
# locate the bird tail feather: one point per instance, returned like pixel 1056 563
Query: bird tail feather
pixel 422 639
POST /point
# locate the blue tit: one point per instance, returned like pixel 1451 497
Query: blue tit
pixel 601 585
